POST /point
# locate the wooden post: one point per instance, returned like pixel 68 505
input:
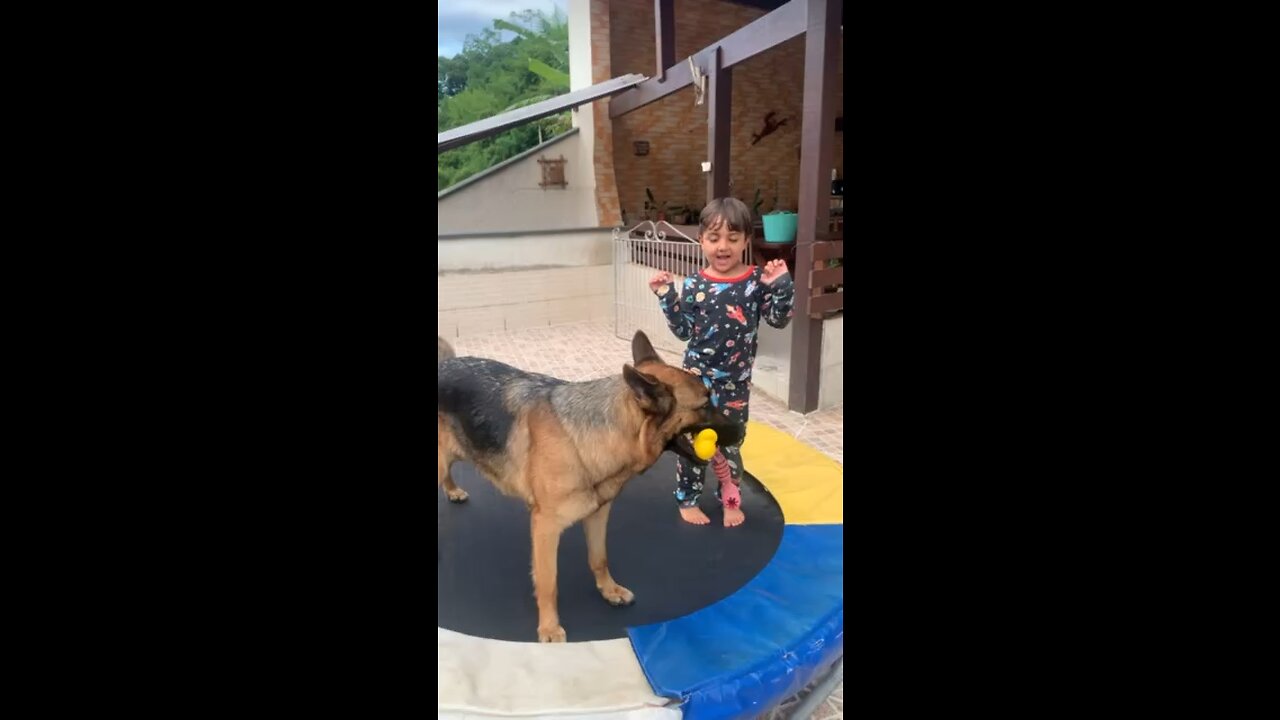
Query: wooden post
pixel 719 111
pixel 817 138
pixel 743 44
pixel 664 33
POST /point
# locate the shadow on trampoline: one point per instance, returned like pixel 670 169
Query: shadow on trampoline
pixel 484 586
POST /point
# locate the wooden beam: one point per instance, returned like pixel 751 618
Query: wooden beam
pixel 828 250
pixel 817 140
pixel 760 4
pixel 651 91
pixel 748 41
pixel 825 304
pixel 719 119
pixel 765 33
pixel 829 276
pixel 664 35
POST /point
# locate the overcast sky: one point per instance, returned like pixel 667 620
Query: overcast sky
pixel 456 19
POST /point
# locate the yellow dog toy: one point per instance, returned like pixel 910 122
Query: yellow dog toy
pixel 704 444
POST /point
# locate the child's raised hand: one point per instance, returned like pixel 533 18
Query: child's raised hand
pixel 662 278
pixel 773 270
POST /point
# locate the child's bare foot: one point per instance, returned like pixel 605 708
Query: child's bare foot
pixel 695 516
pixel 733 517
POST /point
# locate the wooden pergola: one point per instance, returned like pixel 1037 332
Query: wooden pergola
pixel 481 129
pixel 820 22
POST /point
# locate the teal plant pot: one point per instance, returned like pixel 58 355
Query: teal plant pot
pixel 780 227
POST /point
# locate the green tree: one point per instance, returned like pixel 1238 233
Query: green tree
pixel 491 76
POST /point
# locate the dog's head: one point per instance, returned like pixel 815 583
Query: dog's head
pixel 678 402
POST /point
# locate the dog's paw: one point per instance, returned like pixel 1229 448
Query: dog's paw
pixel 555 633
pixel 618 595
pixel 457 496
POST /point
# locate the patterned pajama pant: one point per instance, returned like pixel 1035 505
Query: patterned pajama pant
pixel 731 405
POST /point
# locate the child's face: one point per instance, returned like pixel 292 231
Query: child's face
pixel 723 247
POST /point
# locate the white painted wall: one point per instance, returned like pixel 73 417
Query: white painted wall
pixel 505 282
pixel 579 44
pixel 580 77
pixel 482 302
pixel 580 56
pixel 772 373
pixel 510 198
pixel 773 363
pixel 508 252
pixel 831 376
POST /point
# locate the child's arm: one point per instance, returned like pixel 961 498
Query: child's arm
pixel 779 294
pixel 679 316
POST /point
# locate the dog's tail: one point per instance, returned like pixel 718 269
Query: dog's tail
pixel 446 350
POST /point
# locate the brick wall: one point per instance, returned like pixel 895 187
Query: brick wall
pixel 676 129
pixel 607 202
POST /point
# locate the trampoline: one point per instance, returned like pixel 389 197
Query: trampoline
pixel 727 622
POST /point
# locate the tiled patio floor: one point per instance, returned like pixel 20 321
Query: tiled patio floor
pixel 586 351
pixel 832 707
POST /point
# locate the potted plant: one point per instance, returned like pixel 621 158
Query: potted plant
pixel 652 206
pixel 780 226
pixel 692 214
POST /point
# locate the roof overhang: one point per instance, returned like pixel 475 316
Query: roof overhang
pixel 481 129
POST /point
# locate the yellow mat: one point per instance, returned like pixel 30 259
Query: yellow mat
pixel 808 485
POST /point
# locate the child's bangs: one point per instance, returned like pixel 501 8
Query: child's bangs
pixel 728 211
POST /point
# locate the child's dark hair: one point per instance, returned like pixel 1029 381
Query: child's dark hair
pixel 732 211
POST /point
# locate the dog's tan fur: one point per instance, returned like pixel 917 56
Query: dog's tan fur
pixel 568 472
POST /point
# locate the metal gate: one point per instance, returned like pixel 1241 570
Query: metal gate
pixel 640 253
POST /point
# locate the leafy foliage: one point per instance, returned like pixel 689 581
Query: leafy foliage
pixel 491 76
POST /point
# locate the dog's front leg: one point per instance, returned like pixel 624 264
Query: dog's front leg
pixel 546 543
pixel 595 526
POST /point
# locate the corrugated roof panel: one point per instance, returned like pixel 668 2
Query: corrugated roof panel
pixel 480 129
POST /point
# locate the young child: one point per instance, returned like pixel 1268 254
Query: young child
pixel 719 312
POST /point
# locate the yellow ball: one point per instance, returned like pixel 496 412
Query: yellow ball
pixel 704 444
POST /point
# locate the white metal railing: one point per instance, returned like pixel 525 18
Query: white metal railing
pixel 640 253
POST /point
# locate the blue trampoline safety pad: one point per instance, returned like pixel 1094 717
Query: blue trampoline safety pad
pixel 748 652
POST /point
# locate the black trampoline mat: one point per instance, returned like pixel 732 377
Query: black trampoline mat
pixel 485 588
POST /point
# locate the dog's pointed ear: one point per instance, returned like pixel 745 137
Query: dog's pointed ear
pixel 650 394
pixel 642 349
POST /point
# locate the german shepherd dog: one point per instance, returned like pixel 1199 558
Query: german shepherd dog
pixel 567 448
